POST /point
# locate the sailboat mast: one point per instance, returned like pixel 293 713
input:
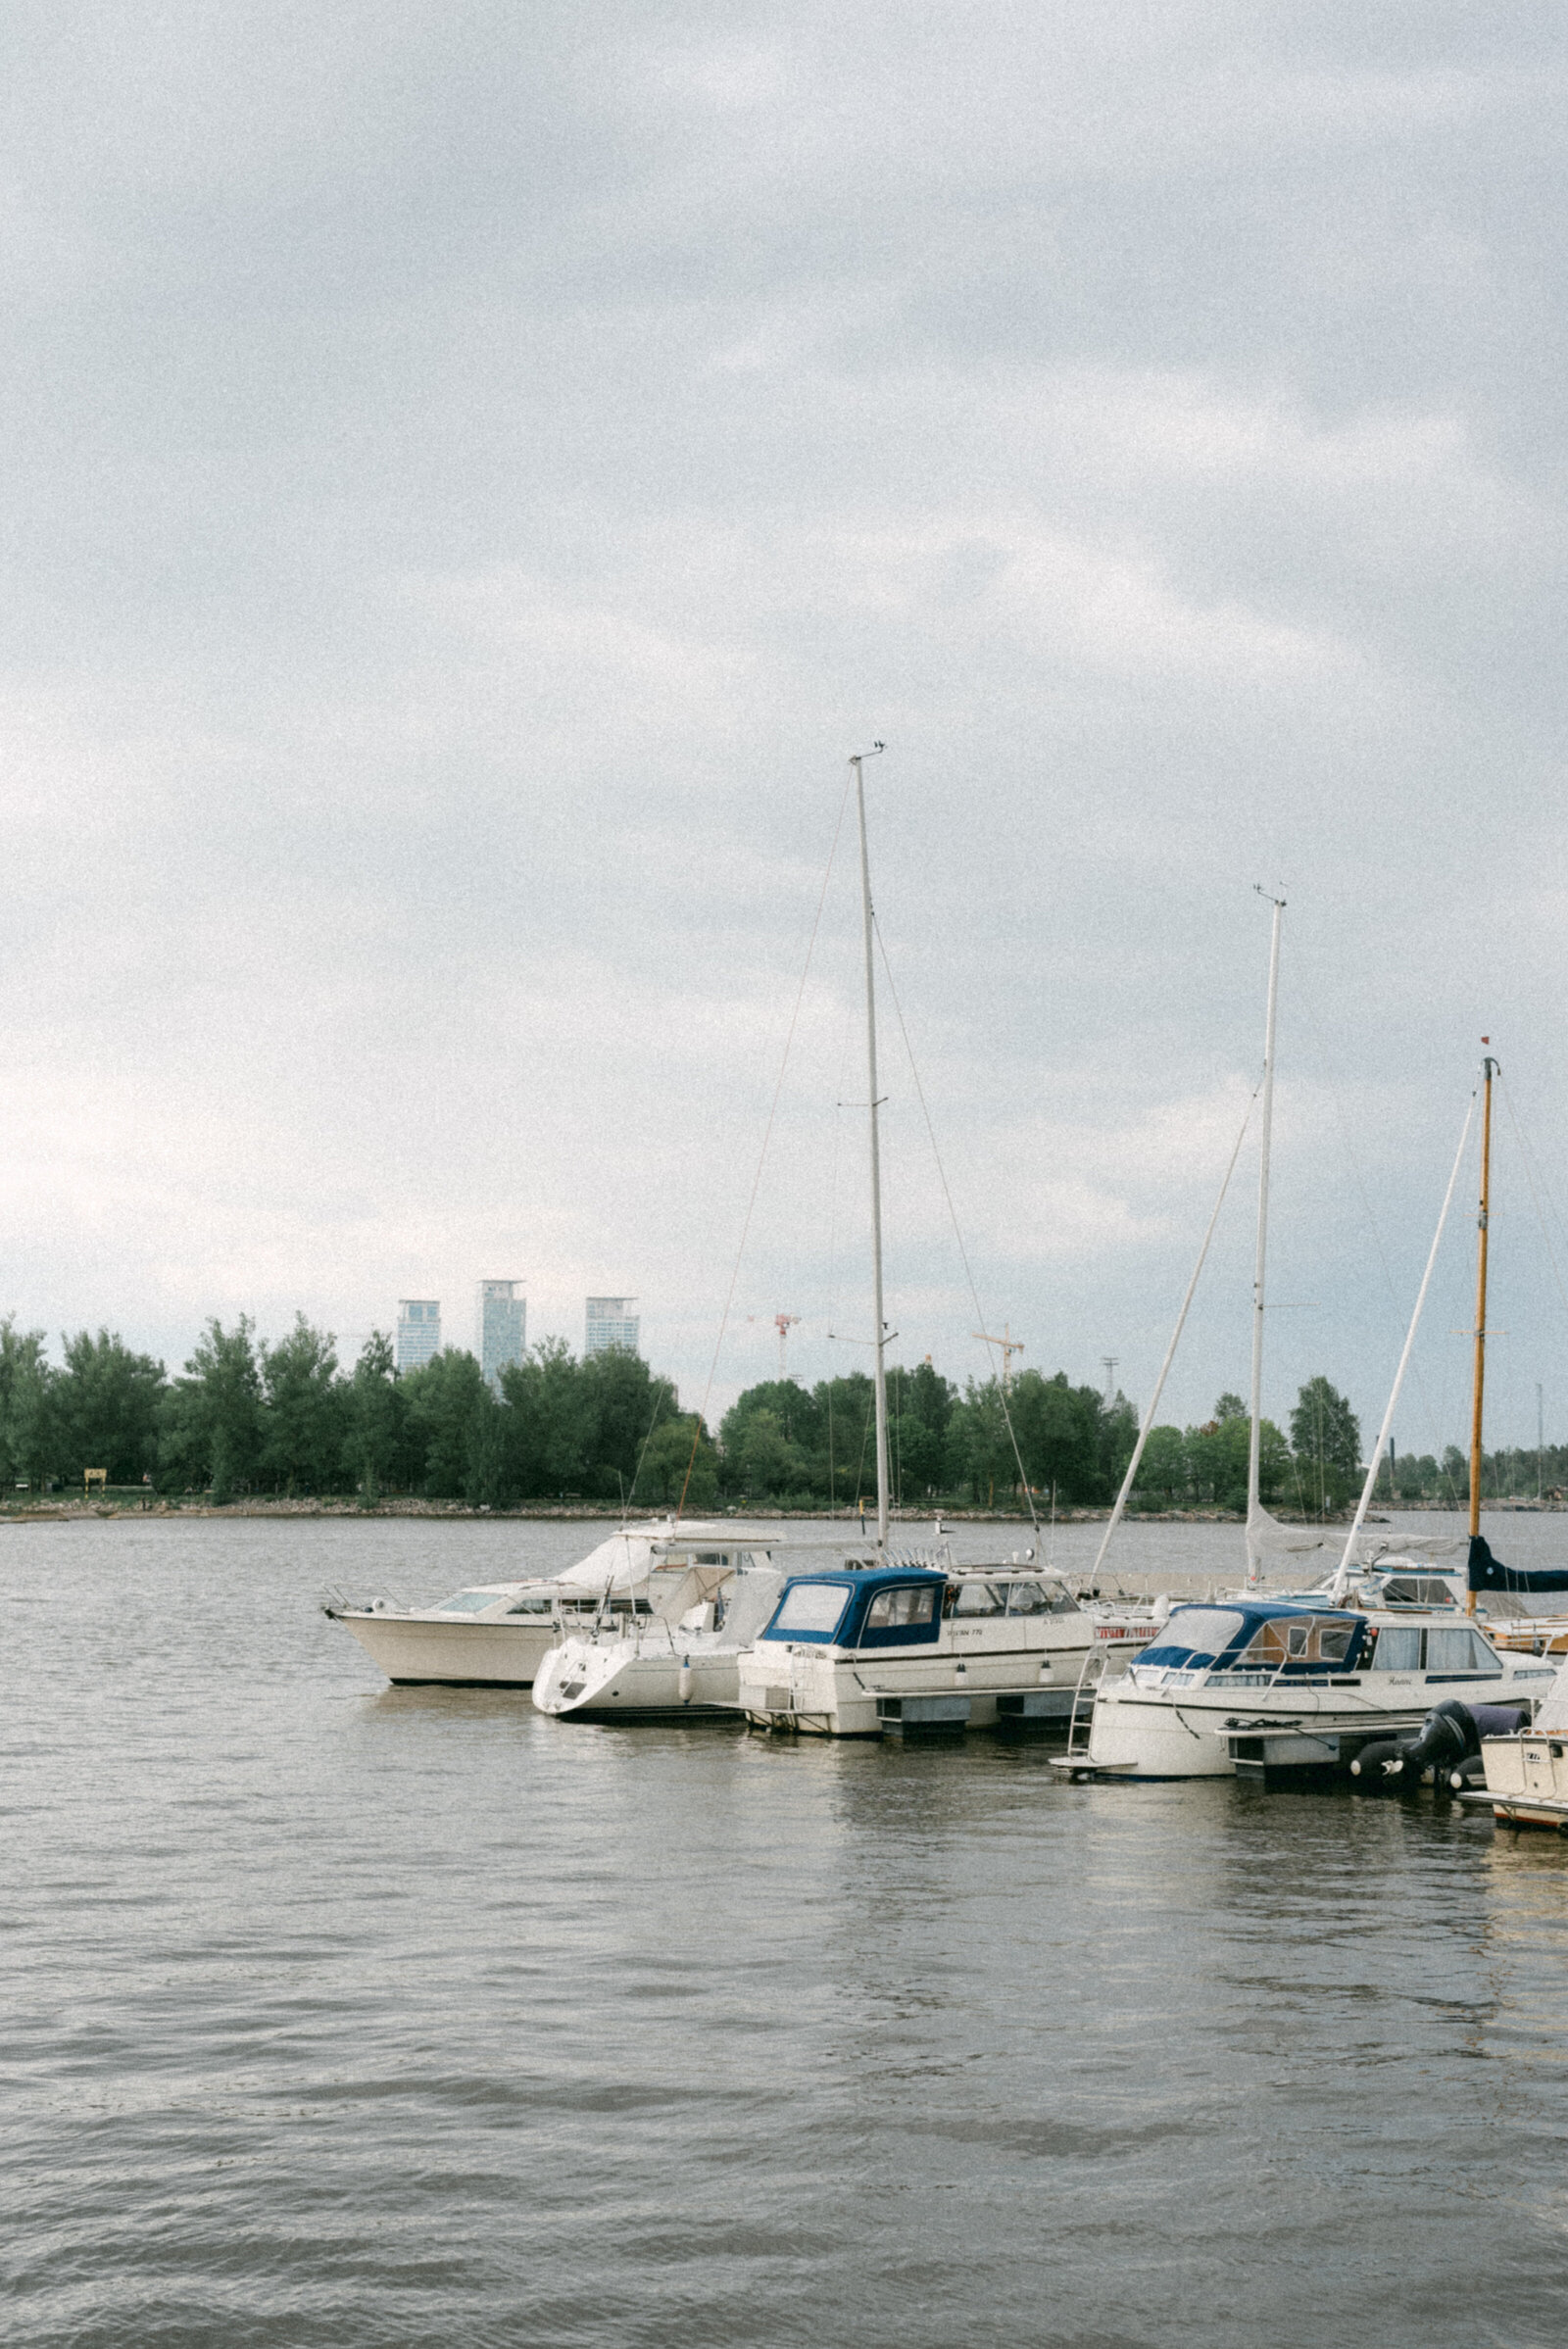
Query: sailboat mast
pixel 1260 1263
pixel 1486 1067
pixel 879 1318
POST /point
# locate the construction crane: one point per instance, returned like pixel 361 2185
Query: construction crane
pixel 1010 1346
pixel 784 1323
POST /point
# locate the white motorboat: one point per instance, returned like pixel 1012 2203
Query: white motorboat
pixel 496 1635
pixel 1251 1685
pixel 667 1662
pixel 677 1659
pixel 863 1652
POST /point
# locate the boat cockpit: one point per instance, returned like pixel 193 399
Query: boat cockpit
pixel 1250 1644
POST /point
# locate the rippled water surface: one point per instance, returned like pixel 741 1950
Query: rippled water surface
pixel 346 2015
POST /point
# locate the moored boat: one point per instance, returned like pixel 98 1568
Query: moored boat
pixel 496 1635
pixel 1251 1685
pixel 866 1651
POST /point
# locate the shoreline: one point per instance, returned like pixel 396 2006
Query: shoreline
pixel 140 1509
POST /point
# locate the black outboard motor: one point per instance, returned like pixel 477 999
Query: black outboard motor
pixel 1449 1745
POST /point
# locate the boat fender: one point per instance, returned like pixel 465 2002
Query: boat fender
pixel 685 1679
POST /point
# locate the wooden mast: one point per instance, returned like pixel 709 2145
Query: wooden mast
pixel 1479 1391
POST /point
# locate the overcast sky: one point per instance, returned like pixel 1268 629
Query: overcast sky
pixel 473 474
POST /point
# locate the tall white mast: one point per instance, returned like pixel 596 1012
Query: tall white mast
pixel 1254 1506
pixel 880 1323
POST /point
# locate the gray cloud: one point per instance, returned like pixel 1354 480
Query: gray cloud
pixel 473 477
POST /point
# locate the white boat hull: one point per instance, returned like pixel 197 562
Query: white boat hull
pixel 828 1694
pixel 1526 1779
pixel 418 1652
pixel 587 1679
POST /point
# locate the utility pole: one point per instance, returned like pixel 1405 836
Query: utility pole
pixel 1541 1443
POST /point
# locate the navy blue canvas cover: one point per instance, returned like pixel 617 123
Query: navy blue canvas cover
pixel 1487 1573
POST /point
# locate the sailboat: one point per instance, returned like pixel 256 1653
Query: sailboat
pixel 1254 1683
pixel 886 1646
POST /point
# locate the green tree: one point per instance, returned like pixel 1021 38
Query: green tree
pixel 375 1413
pixel 302 1419
pixel 27 1422
pixel 1163 1472
pixel 107 1407
pixel 771 1437
pixel 552 1421
pixel 622 1399
pixel 451 1435
pixel 1326 1440
pixel 210 1421
pixel 669 1465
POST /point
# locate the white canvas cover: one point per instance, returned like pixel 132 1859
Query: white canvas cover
pixel 1554 1714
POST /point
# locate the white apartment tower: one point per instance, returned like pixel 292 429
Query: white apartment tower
pixel 608 1324
pixel 419 1331
pixel 502 1327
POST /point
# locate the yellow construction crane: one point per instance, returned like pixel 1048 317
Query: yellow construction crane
pixel 1010 1346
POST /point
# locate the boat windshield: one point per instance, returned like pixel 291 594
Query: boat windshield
pixel 1194 1636
pixel 469 1602
pixel 811 1607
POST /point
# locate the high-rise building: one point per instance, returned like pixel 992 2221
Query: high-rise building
pixel 419 1331
pixel 502 1320
pixel 610 1324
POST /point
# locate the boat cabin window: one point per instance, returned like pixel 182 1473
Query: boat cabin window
pixel 979 1598
pixel 537 1603
pixel 1399 1647
pixel 811 1607
pixel 711 1557
pixel 1297 1639
pixel 469 1602
pixel 1454 1647
pixel 1416 1590
pixel 1027 1598
pixel 916 1602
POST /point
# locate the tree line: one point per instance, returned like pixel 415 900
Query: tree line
pixel 247 1417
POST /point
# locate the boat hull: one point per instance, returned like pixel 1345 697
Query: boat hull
pixel 824 1695
pixel 581 1681
pixel 421 1653
pixel 1526 1779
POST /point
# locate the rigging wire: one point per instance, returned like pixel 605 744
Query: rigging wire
pixel 953 1217
pixel 761 1156
pixel 1434 1423
pixel 1528 1156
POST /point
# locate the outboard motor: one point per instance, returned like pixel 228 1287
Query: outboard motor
pixel 1450 1747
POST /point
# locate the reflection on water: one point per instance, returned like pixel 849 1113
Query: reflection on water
pixel 348 2014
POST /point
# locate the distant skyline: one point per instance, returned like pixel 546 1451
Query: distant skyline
pixel 476 475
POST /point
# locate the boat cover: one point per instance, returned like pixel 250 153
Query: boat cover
pixel 1487 1573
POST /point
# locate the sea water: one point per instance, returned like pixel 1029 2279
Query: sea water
pixel 346 2015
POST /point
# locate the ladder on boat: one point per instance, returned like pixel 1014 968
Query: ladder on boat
pixel 1081 1719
